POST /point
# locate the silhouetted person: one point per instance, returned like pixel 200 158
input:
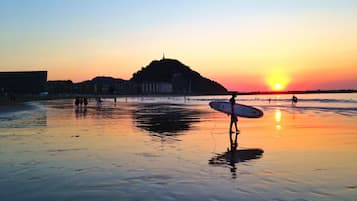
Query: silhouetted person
pixel 294 100
pixel 80 101
pixel 76 102
pixel 99 100
pixel 234 118
pixel 85 101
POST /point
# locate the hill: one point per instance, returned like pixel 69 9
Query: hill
pixel 175 76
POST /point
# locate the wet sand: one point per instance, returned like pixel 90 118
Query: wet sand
pixel 12 108
pixel 172 149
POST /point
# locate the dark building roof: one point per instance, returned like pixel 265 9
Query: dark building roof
pixel 23 82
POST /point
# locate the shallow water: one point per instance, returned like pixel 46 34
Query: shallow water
pixel 175 148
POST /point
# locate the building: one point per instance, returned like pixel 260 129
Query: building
pixel 23 82
pixel 60 87
pixel 156 88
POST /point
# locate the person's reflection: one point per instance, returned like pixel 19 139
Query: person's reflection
pixel 233 155
pixel 232 151
pixel 81 112
pixel 233 143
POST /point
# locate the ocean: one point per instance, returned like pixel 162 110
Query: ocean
pixel 178 148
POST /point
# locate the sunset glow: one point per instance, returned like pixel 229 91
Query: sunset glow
pixel 277 80
pixel 178 100
pixel 246 46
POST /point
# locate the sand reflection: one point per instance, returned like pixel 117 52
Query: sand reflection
pixel 165 119
pixel 277 116
pixel 81 112
pixel 233 155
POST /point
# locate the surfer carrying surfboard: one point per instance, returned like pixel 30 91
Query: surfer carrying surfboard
pixel 234 118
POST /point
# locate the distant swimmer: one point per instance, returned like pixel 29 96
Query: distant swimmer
pixel 294 100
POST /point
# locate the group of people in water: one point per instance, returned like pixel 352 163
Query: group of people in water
pixel 79 101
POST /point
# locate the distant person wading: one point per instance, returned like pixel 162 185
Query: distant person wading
pixel 294 100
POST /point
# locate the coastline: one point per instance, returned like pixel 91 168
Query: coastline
pixel 21 102
pixel 15 107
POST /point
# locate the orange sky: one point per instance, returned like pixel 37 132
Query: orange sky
pixel 245 46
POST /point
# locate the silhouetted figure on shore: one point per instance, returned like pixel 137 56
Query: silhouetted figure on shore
pixel 294 100
pixel 99 100
pixel 79 101
pixel 234 118
pixel 76 101
pixel 85 101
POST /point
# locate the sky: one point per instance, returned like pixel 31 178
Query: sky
pixel 246 45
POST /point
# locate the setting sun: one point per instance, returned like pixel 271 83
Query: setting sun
pixel 277 83
pixel 277 86
pixel 277 80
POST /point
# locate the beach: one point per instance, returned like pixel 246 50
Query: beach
pixel 178 148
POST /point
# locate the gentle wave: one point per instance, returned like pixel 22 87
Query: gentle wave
pixel 277 100
pixel 314 107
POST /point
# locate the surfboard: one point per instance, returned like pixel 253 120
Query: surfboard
pixel 239 109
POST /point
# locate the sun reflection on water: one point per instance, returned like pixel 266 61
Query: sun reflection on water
pixel 277 119
pixel 175 149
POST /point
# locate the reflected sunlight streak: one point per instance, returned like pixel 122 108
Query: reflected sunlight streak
pixel 277 116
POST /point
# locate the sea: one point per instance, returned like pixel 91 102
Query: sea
pixel 178 148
